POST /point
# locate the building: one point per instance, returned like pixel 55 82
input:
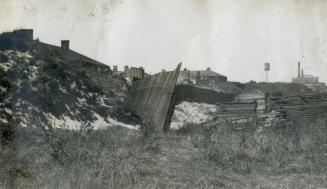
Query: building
pixel 310 81
pixel 23 34
pixel 131 73
pixel 204 77
pixel 21 39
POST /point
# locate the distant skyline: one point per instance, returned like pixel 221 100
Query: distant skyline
pixel 234 38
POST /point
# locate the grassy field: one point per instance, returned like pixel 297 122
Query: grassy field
pixel 215 155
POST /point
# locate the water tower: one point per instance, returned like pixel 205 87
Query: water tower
pixel 267 69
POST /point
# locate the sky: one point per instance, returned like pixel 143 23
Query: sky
pixel 232 37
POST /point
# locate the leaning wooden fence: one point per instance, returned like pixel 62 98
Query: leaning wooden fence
pixel 152 97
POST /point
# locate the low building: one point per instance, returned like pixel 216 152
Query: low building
pixel 131 73
pixel 21 39
pixel 203 77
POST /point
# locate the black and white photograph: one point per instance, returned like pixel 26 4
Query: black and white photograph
pixel 163 94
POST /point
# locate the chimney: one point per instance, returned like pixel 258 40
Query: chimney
pixel 302 73
pixel 65 44
pixel 198 75
pixel 115 68
pixel 298 69
pixel 126 69
pixel 142 72
pixel 208 68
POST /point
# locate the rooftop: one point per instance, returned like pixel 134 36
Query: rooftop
pixel 207 72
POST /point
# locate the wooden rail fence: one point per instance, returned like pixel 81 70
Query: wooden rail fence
pixel 283 107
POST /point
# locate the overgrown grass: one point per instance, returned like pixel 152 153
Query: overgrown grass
pixel 111 158
pixel 291 155
pixel 68 159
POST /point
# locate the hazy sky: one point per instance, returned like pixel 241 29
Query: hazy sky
pixel 233 37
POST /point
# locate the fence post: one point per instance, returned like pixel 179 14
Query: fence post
pixel 267 102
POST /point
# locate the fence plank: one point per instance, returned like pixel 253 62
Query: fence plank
pixel 151 98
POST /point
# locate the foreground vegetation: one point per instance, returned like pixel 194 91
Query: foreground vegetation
pixel 216 155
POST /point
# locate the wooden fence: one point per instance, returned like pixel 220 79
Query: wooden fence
pixel 304 106
pixel 282 107
pixel 152 98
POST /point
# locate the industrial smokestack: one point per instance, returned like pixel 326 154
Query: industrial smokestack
pixel 302 73
pixel 299 69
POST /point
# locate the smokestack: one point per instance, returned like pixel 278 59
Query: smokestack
pixel 298 69
pixel 302 73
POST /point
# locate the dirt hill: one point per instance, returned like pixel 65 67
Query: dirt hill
pixel 48 86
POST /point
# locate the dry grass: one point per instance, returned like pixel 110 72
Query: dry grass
pixel 217 156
